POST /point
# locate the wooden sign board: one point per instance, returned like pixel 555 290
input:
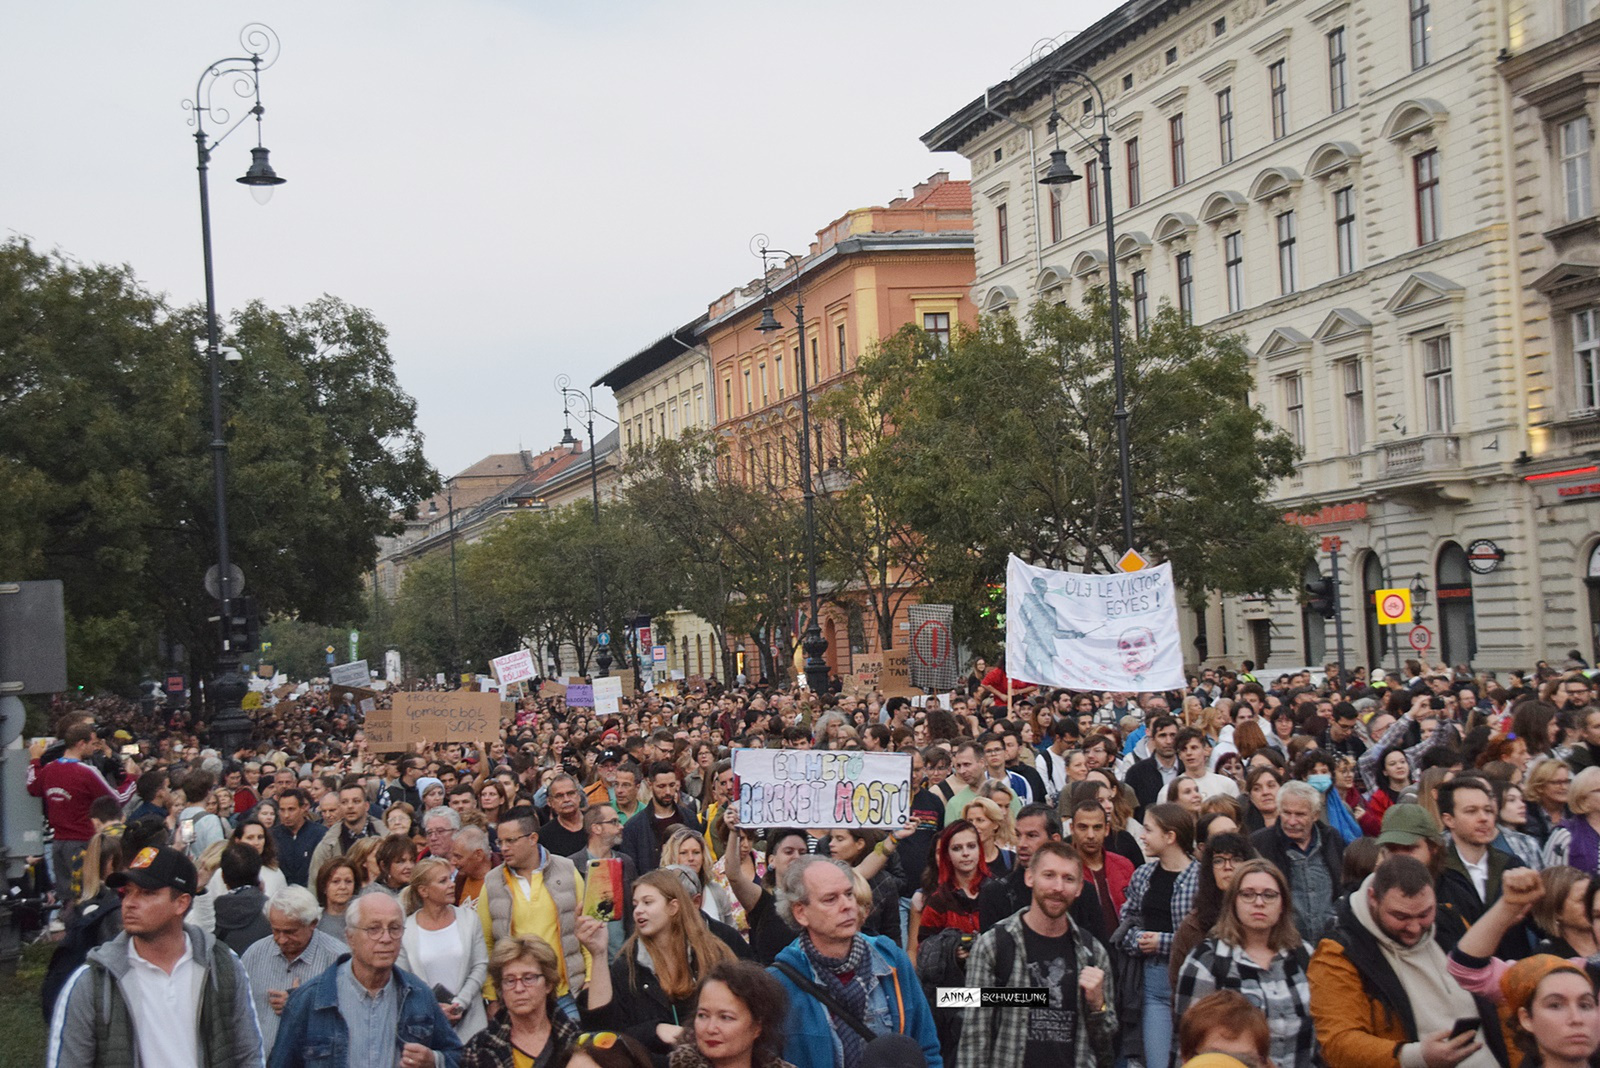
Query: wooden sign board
pixel 895 678
pixel 453 716
pixel 551 688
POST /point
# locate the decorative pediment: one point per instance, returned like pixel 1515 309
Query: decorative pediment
pixel 1274 182
pixel 1172 102
pixel 1221 72
pixel 1333 156
pixel 1422 290
pixel 999 298
pixel 1567 276
pixel 1223 204
pixel 1341 325
pixel 1087 263
pixel 1174 226
pixel 1052 278
pixel 1132 243
pixel 1283 341
pixel 1413 117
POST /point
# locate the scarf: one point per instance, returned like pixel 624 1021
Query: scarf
pixel 853 993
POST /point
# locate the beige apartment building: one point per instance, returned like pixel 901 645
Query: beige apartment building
pixel 1392 201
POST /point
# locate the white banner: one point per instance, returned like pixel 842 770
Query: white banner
pixel 514 667
pixel 819 788
pixel 608 696
pixel 1093 632
pixel 354 673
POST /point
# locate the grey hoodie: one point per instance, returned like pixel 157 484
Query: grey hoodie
pixel 74 1030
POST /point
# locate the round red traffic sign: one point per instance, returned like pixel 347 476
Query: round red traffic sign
pixel 1421 638
pixel 1394 606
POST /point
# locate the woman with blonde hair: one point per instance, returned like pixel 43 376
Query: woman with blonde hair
pixel 526 975
pixel 995 833
pixel 1577 840
pixel 363 856
pixel 1428 791
pixel 443 945
pixel 684 845
pixel 1548 790
pixel 648 993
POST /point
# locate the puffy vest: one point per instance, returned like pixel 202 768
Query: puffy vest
pixel 114 1037
pixel 561 883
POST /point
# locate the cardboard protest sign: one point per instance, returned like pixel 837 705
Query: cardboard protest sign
pixel 630 684
pixel 353 674
pixel 551 688
pixel 453 716
pixel 895 678
pixel 514 667
pixel 607 696
pixel 384 731
pixel 580 696
pixel 508 712
pixel 819 788
pixel 1093 632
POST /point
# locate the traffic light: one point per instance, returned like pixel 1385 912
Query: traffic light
pixel 244 627
pixel 1323 597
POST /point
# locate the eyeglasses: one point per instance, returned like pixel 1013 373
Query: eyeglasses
pixel 598 1039
pixel 505 840
pixel 377 933
pixel 1259 897
pixel 601 823
pixel 518 982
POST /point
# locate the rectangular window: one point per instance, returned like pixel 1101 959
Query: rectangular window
pixel 1180 171
pixel 1186 286
pixel 1344 228
pixel 938 324
pixel 1338 72
pixel 1288 255
pixel 1233 261
pixel 1055 214
pixel 1586 357
pixel 1091 189
pixel 749 397
pixel 1355 406
pixel 1225 124
pixel 727 398
pixel 1421 33
pixel 1294 409
pixel 1002 233
pixel 1141 302
pixel 1438 390
pixel 839 340
pixel 816 362
pixel 761 372
pixel 1426 168
pixel 1134 183
pixel 1575 147
pixel 1278 87
pixel 777 364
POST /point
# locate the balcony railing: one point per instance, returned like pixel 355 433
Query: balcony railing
pixel 1419 456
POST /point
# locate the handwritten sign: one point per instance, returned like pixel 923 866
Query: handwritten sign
pixel 895 678
pixel 353 674
pixel 580 696
pixel 551 688
pixel 455 716
pixel 607 696
pixel 514 667
pixel 816 788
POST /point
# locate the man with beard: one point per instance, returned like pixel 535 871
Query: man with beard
pixel 1380 979
pixel 1040 947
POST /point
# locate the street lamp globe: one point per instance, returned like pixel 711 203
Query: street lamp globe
pixel 261 178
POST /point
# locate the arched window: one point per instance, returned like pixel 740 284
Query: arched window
pixel 1458 632
pixel 1311 622
pixel 1377 638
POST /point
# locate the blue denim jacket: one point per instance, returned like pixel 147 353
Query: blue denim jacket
pixel 312 1034
pixel 898 1007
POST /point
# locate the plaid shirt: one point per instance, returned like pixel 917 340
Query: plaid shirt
pixel 1281 991
pixel 1184 892
pixel 994 1037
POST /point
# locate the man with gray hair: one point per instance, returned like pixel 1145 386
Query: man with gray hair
pixel 440 825
pixel 1308 853
pixel 868 976
pixel 470 856
pixel 296 953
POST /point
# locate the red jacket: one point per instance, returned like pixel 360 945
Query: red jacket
pixel 69 787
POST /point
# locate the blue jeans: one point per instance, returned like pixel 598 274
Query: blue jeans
pixel 1157 1013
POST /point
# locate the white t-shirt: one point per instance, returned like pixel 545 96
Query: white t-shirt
pixel 441 957
pixel 165 1008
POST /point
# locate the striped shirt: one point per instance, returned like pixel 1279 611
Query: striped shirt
pixel 269 970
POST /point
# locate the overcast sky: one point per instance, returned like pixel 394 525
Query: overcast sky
pixel 516 189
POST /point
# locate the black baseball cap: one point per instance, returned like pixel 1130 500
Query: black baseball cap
pixel 609 756
pixel 157 868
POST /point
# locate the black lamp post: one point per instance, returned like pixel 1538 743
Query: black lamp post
pixel 1060 172
pixel 585 404
pixel 455 590
pixel 813 643
pixel 230 726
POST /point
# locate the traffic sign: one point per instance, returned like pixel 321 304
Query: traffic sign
pixel 1421 638
pixel 1131 561
pixel 1394 606
pixel 604 639
pixel 659 654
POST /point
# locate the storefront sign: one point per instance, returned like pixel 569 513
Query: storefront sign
pixel 1328 515
pixel 1484 556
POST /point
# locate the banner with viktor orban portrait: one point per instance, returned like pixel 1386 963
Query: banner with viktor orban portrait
pixel 1093 632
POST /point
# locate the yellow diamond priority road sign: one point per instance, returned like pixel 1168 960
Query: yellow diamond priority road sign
pixel 1131 561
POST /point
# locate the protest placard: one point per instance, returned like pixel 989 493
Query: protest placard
pixel 1093 632
pixel 933 649
pixel 607 696
pixel 895 678
pixel 453 716
pixel 580 696
pixel 352 674
pixel 630 683
pixel 820 788
pixel 514 667
pixel 383 730
pixel 552 688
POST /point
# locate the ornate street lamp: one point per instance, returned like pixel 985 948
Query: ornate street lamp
pixel 577 398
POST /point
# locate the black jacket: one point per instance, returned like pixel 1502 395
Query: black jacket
pixel 241 919
pixel 1459 906
pixel 1145 779
pixel 639 839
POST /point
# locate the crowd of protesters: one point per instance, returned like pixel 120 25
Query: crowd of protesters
pixel 1395 869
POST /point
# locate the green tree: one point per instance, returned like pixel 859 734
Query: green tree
pixel 1006 443
pixel 105 474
